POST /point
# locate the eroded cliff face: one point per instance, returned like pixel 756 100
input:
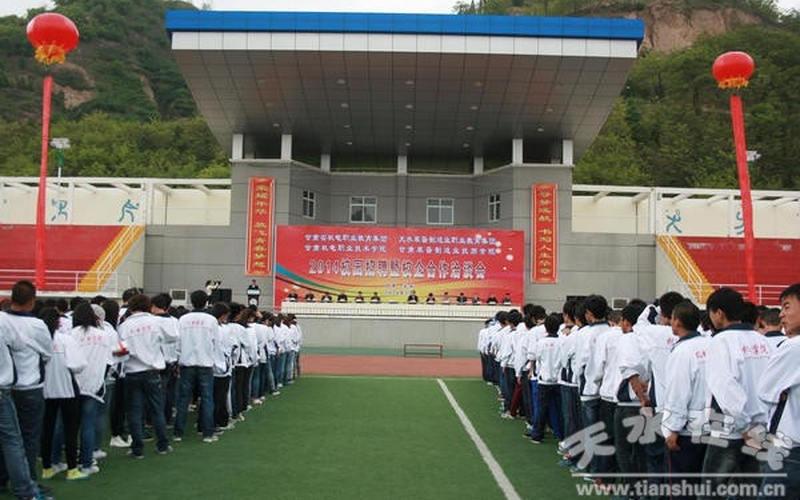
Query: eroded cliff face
pixel 669 28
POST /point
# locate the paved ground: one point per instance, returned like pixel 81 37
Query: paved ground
pixel 326 364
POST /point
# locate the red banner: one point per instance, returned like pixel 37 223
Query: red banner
pixel 544 233
pixel 260 202
pixel 391 262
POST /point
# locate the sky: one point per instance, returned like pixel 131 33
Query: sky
pixel 20 7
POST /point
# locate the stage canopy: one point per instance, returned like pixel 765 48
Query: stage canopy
pixel 402 84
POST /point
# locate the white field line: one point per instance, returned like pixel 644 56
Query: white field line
pixel 494 467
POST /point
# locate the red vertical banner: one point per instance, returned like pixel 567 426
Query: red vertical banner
pixel 544 233
pixel 260 226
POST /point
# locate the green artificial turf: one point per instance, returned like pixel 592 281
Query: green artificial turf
pixel 341 438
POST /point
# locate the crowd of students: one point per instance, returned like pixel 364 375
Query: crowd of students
pixel 668 399
pixel 68 369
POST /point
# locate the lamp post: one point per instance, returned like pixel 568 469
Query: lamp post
pixel 60 143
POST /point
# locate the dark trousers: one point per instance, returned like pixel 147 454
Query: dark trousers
pixel 527 404
pixel 169 378
pixel 241 389
pixel 629 452
pixel 548 398
pixel 570 410
pixel 687 460
pixel 222 387
pixel 30 411
pixel 607 463
pixel 70 409
pixel 116 409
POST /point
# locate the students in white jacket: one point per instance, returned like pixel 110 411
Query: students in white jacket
pixel 96 345
pixel 28 361
pixel 548 368
pixel 144 335
pixel 198 332
pixel 61 397
pixel 779 388
pixel 684 402
pixel 736 359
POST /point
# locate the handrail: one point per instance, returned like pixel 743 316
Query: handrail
pixel 692 276
pixel 110 259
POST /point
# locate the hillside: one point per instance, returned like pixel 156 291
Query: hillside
pixel 123 103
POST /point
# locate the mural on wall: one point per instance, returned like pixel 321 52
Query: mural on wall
pixel 393 262
pixel 128 210
pixel 673 221
pixel 60 207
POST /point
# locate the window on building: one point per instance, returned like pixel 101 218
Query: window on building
pixel 440 211
pixel 363 209
pixel 494 207
pixel 309 204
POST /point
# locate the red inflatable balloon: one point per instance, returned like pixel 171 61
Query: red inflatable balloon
pixel 53 35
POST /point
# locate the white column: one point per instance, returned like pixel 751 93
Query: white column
pixel 286 147
pixel 567 152
pixel 516 151
pixel 477 165
pixel 325 163
pixel 402 165
pixel 237 147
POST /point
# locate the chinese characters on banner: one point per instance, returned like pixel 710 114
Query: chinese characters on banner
pixel 544 233
pixel 394 261
pixel 260 201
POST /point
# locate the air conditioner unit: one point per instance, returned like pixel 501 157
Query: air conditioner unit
pixel 179 296
pixel 618 303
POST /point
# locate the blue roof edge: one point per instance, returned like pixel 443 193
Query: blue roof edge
pixel 431 24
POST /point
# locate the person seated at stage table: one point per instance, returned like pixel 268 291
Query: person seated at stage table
pixel 446 299
pixel 413 299
pixel 506 299
pixel 359 298
pixel 476 301
pixel 326 297
pixel 375 299
pixel 430 299
pixel 461 299
pixel 292 297
pixel 491 300
pixel 341 298
pixel 309 297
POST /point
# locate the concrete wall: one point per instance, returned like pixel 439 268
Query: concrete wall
pixel 615 265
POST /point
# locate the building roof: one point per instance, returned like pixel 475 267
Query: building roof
pixel 403 84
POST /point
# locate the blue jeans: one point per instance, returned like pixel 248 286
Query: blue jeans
pixel 280 373
pixel 255 384
pixel 22 485
pixel 201 378
pixel 791 466
pixel 90 408
pixel 272 367
pixel 730 461
pixel 144 392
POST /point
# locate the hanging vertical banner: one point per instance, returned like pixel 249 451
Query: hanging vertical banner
pixel 544 233
pixel 260 202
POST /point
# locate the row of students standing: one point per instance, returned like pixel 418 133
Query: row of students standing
pixel 649 392
pixel 69 371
